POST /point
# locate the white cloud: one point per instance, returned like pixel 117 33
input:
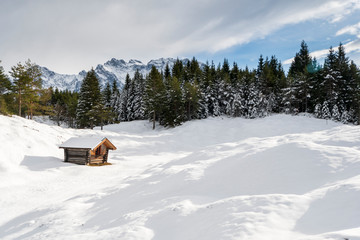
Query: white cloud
pixel 69 36
pixel 352 30
pixel 351 48
pixel 319 54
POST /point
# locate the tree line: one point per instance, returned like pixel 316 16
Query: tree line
pixel 191 91
pixel 196 91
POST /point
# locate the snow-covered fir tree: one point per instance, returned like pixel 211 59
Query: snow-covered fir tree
pixel 335 114
pixel 115 102
pixel 325 111
pixel 154 96
pixel 345 117
pixel 189 90
pixel 125 96
pixel 138 104
pixel 331 79
pixel 317 111
pixel 89 101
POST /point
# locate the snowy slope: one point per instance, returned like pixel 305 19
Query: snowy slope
pixel 112 70
pixel 280 177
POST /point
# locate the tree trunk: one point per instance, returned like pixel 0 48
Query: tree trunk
pixel 31 110
pixel 58 119
pixel 189 111
pixel 154 115
pixel 19 102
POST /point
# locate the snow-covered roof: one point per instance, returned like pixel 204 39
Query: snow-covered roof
pixel 83 142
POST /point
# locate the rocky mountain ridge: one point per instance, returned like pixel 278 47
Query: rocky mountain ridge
pixel 110 71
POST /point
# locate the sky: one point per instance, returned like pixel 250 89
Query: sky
pixel 68 36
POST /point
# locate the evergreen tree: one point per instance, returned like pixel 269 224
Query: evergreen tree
pixel 354 88
pixel 225 71
pixel 178 70
pixel 20 83
pixel 131 101
pixel 253 103
pixel 300 77
pixel 89 101
pixel 138 102
pixel 64 105
pixel 115 102
pixel 191 99
pixel 250 95
pixel 71 101
pixel 124 99
pixel 208 104
pixel 154 96
pixel 344 79
pixel 174 108
pixel 302 87
pixel 331 79
pixel 301 61
pixel 5 83
pixel 195 72
pixel 167 73
pixel 335 114
pixel 99 114
pixel 325 111
pixel 107 95
pixel 315 75
pixel 107 113
pixel 43 107
pixel 234 75
pixel 270 81
pixel 26 85
pixel 237 104
pixel 35 91
pixel 317 111
pixel 260 67
pixel 5 86
pixel 345 117
pixel 289 101
pixel 58 107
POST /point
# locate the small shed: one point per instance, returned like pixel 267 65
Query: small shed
pixel 87 150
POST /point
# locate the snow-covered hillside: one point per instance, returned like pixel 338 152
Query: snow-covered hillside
pixel 112 70
pixel 281 177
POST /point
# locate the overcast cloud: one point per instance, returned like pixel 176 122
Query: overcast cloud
pixel 68 36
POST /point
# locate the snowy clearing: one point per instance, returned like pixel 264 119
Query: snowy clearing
pixel 280 177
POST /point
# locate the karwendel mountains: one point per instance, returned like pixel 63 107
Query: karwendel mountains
pixel 112 70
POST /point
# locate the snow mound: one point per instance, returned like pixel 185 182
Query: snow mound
pixel 281 177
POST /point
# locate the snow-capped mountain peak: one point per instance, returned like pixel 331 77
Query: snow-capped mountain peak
pixel 134 61
pixel 110 71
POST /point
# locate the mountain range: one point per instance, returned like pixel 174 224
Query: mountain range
pixel 112 70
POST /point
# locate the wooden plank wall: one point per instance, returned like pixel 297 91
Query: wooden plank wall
pixel 78 156
pixel 83 156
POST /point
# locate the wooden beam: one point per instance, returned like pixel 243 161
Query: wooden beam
pixel 66 156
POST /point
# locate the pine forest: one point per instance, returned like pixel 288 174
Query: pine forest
pixel 193 91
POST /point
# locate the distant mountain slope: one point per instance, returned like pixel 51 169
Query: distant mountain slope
pixel 112 70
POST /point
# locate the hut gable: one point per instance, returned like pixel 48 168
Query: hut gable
pixel 87 150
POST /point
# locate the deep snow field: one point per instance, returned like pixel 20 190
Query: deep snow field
pixel 280 177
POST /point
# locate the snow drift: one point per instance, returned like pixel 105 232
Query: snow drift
pixel 281 177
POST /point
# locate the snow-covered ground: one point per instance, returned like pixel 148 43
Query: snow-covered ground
pixel 281 177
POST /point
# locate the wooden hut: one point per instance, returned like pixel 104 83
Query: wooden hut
pixel 87 150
